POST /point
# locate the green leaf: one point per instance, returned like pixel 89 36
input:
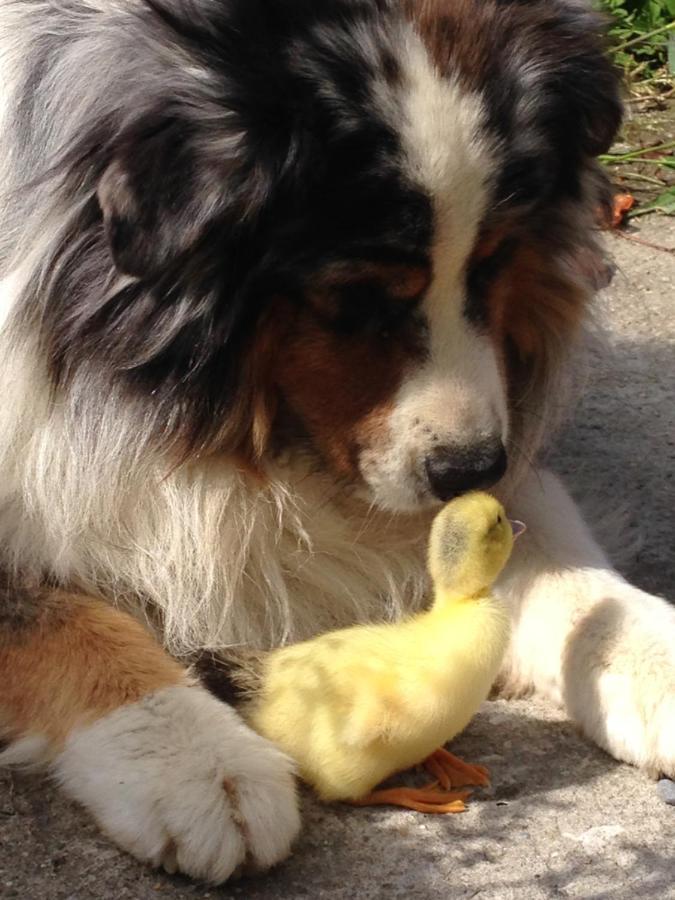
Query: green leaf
pixel 665 204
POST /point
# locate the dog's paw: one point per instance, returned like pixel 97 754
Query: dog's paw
pixel 619 678
pixel 179 781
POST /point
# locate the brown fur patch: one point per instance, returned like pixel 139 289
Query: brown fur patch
pixel 79 660
pixel 457 32
pixel 534 297
pixel 295 357
pixel 259 402
pixel 535 309
pixel 340 387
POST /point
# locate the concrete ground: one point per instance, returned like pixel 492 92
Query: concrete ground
pixel 563 819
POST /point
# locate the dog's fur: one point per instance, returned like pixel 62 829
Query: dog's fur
pixel 267 266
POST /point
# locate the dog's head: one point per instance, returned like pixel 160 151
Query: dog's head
pixel 353 228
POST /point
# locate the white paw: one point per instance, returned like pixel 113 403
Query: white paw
pixel 620 678
pixel 179 780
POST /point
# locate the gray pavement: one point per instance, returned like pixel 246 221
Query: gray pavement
pixel 563 819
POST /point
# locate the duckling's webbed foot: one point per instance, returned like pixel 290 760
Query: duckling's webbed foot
pixel 425 800
pixel 451 772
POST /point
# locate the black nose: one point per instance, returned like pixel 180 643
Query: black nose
pixel 456 470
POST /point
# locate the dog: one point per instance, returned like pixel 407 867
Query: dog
pixel 279 277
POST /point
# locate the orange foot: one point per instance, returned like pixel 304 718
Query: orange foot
pixel 426 799
pixel 450 771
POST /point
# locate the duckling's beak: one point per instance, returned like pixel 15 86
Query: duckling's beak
pixel 517 527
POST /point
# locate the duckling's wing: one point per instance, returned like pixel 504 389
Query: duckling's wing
pixel 368 719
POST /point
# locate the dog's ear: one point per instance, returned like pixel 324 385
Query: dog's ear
pixel 158 194
pixel 576 78
pixel 572 109
pixel 585 93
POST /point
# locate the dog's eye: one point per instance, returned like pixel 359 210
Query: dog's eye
pixel 364 298
pixel 366 308
pixel 481 274
pixel 488 265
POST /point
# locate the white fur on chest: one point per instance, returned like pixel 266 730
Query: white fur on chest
pixel 224 561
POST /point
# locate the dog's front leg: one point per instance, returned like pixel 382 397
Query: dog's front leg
pixel 170 773
pixel 585 637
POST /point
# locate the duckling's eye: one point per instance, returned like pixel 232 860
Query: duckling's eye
pixel 499 520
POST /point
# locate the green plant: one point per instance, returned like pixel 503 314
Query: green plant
pixel 639 31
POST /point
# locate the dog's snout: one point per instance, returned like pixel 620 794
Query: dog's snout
pixel 455 470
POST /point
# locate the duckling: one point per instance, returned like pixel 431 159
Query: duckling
pixel 354 706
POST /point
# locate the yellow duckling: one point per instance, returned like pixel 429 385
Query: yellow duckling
pixel 354 706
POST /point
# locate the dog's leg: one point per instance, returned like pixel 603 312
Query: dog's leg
pixel 584 636
pixel 170 773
